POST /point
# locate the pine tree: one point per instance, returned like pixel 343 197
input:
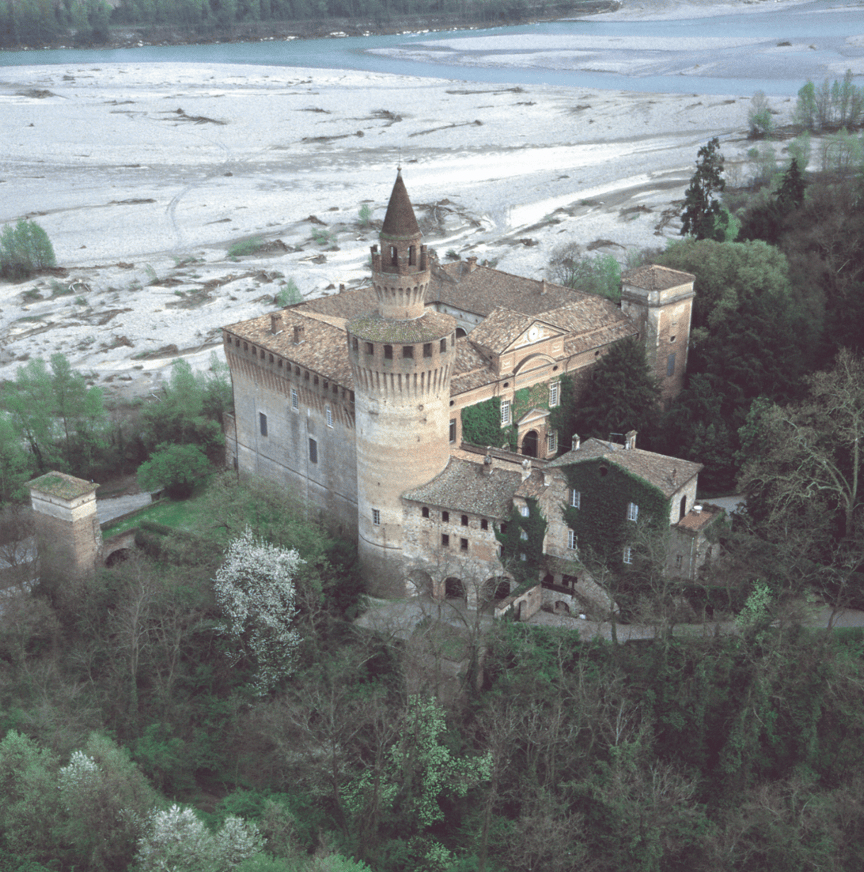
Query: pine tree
pixel 701 207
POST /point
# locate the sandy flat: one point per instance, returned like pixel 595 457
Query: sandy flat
pixel 144 175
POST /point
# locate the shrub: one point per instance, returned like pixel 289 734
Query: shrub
pixel 177 468
pixel 246 247
pixel 364 216
pixel 24 249
pixel 759 120
pixel 289 294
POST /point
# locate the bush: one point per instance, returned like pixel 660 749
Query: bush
pixel 289 294
pixel 177 468
pixel 245 247
pixel 759 120
pixel 594 274
pixel 24 249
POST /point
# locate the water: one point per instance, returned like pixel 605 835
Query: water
pixel 669 56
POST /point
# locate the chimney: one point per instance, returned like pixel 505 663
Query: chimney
pixel 630 441
pixel 487 461
pixel 298 333
pixel 341 288
pixel 526 469
pixel 542 287
pixel 574 444
pixel 471 263
pixel 275 322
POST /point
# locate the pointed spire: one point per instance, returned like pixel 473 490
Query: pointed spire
pixel 400 221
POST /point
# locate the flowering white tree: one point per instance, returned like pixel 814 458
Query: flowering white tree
pixel 177 841
pixel 255 590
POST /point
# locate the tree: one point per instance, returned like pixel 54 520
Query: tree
pixel 24 249
pixel 809 455
pixel 177 468
pixel 759 118
pixel 621 396
pixel 594 274
pixel 255 590
pixel 701 207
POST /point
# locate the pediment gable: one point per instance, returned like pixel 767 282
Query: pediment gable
pixel 536 331
pixel 534 416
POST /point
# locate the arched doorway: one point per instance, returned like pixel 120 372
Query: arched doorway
pixel 529 444
pixel 460 332
pixel 496 588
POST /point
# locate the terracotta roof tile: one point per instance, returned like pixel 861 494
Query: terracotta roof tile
pixel 656 278
pixel 400 221
pixel 432 325
pixel 499 329
pixel 323 349
pixel 696 521
pixel 465 487
pixel 667 474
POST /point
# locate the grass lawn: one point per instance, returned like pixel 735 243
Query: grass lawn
pixel 180 513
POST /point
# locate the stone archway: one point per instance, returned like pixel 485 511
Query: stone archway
pixel 420 583
pixel 530 443
pixel 496 588
pixel 453 588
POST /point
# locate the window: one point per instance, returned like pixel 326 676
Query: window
pixel 505 412
pixel 313 451
pixel 329 413
pixel 552 442
pixel 262 423
pixel 443 345
pixel 464 520
pixel 427 349
pixel 295 400
pixel 484 524
pixel 554 394
pixel 445 540
pixel 670 365
pixel 445 517
pixel 370 348
pixel 575 499
pixel 463 544
pixel 571 540
pixel 523 557
pixel 412 255
pixel 388 352
pixel 627 557
pixel 632 512
pixel 408 352
pixel 679 559
pixel 376 517
pixel 524 511
pixel 355 344
pixel 453 430
pixel 523 535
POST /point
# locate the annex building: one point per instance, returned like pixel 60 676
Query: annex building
pixel 418 414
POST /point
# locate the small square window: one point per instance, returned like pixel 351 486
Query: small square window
pixel 628 554
pixel 427 350
pixel 523 535
pixel 445 540
pixel 464 520
pixel 376 517
pixel 370 348
pixel 445 517
pixel 571 540
pixel 262 423
pixel 632 512
pixel 575 499
pixel 388 352
pixel 484 524
pixel 295 400
pixel 524 511
pixel 313 451
pixel 408 352
pixel 503 526
pixel 329 413
pixel 425 511
pixel 523 557
pixel 463 544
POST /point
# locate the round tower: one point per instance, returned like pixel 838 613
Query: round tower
pixel 401 358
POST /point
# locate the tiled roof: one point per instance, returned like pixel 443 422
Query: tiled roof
pixel 656 278
pixel 667 474
pixel 400 221
pixel 347 304
pixel 432 325
pixel 471 369
pixel 532 487
pixel 500 328
pixel 465 487
pixel 323 349
pixel 482 290
pixel 696 521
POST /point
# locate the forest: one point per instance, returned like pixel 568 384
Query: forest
pixel 212 704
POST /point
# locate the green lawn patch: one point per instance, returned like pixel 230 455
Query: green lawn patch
pixel 180 514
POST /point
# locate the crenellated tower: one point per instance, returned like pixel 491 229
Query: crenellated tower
pixel 401 358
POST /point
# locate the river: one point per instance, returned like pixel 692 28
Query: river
pixel 773 49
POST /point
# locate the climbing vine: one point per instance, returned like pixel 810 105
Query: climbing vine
pixel 523 554
pixel 600 522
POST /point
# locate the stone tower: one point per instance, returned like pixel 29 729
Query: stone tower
pixel 401 359
pixel 660 302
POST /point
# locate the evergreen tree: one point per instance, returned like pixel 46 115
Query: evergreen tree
pixel 791 193
pixel 623 394
pixel 701 207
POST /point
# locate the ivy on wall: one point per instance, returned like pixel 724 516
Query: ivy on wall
pixel 514 546
pixel 481 424
pixel 600 522
pixel 561 418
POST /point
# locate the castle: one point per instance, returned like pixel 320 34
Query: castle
pixel 366 403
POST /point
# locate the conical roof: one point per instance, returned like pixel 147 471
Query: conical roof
pixel 400 222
